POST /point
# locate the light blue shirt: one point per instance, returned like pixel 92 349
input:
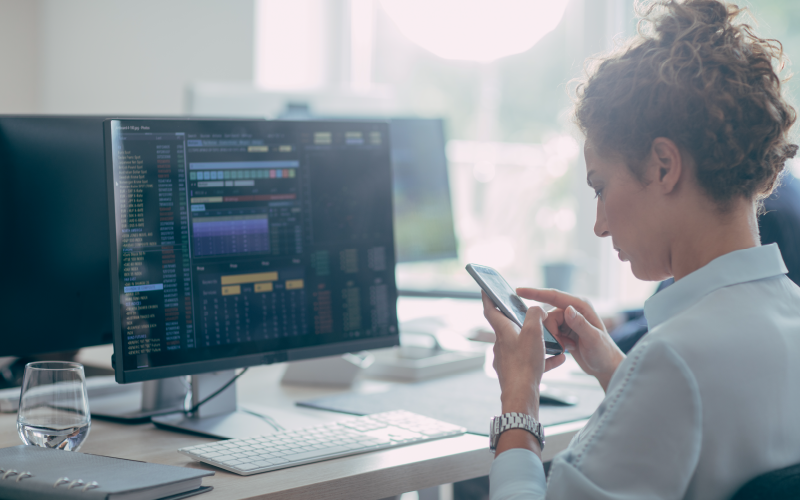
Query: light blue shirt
pixel 706 401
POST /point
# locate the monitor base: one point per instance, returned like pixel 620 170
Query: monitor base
pixel 218 416
pixel 412 363
pixel 237 424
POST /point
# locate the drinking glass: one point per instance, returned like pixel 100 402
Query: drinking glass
pixel 53 406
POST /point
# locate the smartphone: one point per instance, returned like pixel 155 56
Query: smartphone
pixel 508 301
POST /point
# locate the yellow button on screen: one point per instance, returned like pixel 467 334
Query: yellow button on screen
pixel 231 290
pixel 207 199
pixel 238 279
pixel 263 287
pixel 294 284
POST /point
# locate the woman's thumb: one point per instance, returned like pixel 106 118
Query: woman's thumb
pixel 576 321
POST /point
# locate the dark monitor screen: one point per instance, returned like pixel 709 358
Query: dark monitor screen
pixel 53 235
pixel 423 215
pixel 237 243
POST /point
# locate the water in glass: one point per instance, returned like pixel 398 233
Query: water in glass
pixel 53 406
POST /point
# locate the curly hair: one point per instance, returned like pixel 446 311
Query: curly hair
pixel 694 75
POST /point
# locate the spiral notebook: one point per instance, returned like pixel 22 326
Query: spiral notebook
pixel 33 473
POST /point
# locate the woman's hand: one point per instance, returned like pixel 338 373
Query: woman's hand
pixel 519 358
pixel 578 328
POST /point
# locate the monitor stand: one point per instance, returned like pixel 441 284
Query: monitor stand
pixel 218 417
pixel 136 403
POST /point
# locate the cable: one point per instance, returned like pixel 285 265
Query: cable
pixel 266 418
pixel 214 394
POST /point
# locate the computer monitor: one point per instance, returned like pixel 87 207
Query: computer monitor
pixel 54 226
pixel 238 243
pixel 423 214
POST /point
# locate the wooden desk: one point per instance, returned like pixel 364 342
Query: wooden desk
pixel 367 476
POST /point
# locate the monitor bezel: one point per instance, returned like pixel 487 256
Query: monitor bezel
pixel 124 376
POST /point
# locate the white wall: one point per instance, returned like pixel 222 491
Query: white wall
pixel 19 52
pixel 114 56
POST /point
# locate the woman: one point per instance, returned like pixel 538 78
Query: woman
pixel 686 131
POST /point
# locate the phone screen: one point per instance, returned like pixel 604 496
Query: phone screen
pixel 503 291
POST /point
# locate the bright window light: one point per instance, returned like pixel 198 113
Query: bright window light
pixel 362 20
pixel 475 30
pixel 289 44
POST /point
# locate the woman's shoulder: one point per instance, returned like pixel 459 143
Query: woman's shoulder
pixel 731 326
pixel 735 309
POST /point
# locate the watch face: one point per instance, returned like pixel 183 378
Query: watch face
pixel 494 423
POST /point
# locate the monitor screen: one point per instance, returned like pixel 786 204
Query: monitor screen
pixel 237 243
pixel 53 234
pixel 423 215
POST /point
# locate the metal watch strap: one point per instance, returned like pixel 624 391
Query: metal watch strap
pixel 514 420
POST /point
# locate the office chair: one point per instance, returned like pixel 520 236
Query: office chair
pixel 781 484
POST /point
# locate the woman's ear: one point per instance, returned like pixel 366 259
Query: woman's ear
pixel 667 162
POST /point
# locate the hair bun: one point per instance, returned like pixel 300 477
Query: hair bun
pixel 696 20
pixel 698 76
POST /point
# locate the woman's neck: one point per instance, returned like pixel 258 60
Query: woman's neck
pixel 712 234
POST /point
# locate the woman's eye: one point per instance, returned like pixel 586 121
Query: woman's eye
pixel 598 193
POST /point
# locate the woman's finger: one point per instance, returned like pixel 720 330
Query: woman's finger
pixel 566 342
pixel 555 298
pixel 578 323
pixel 497 320
pixel 554 319
pixel 535 314
pixel 553 362
pixel 562 300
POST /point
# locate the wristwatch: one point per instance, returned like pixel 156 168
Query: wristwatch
pixel 507 421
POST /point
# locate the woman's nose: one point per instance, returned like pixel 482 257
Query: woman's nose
pixel 600 224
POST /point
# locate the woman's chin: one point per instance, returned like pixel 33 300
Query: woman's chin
pixel 638 272
pixel 644 275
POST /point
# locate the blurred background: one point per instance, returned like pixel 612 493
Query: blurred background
pixel 496 72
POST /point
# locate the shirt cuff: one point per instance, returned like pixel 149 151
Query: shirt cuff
pixel 516 474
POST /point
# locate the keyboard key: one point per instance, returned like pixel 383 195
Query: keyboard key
pixel 316 453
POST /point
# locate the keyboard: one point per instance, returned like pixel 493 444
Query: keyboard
pixel 314 444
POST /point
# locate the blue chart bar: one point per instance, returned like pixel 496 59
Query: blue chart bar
pixel 230 234
pixel 229 165
pixel 143 288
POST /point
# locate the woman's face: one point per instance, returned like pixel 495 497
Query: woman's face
pixel 627 211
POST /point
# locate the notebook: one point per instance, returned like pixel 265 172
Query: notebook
pixel 34 473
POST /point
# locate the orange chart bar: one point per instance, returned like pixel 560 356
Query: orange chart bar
pixel 238 279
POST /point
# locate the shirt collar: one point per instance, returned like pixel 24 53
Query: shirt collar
pixel 739 266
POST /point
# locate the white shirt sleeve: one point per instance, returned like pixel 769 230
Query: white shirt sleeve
pixel 643 441
pixel 517 474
